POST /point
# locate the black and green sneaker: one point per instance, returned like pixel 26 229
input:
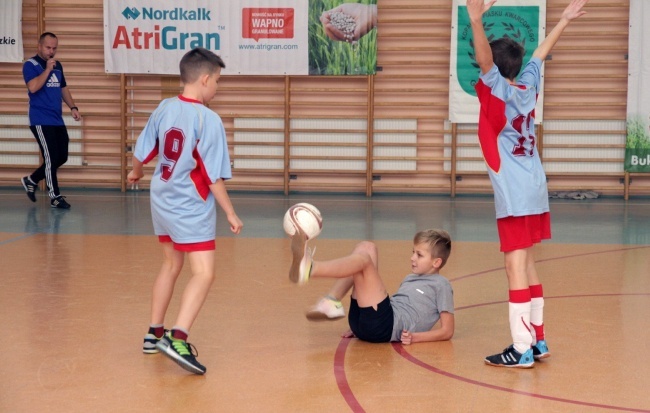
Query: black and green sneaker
pixel 182 352
pixel 150 341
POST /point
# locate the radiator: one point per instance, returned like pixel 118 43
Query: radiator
pixel 322 151
pixel 263 136
pixel 591 157
pixel 394 131
pixel 330 139
pixel 587 157
pixel 465 134
pixel 22 140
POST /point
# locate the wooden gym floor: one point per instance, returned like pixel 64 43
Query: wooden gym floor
pixel 75 290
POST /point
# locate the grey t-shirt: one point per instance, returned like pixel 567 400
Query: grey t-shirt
pixel 418 302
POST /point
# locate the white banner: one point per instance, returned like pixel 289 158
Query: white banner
pixel 637 148
pixel 11 31
pixel 253 37
pixel 521 20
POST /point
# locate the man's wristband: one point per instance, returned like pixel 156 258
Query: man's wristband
pixel 73 108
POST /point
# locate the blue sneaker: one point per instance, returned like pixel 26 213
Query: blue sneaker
pixel 540 350
pixel 512 358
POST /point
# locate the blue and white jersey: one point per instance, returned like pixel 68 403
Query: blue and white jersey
pixel 45 104
pixel 192 150
pixel 506 132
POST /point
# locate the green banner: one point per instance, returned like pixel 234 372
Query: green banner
pixel 519 23
pixel 637 147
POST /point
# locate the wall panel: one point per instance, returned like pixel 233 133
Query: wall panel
pixel 290 133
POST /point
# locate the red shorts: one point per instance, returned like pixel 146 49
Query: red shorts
pixel 518 233
pixel 194 246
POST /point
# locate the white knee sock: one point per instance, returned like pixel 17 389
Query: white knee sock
pixel 537 312
pixel 519 316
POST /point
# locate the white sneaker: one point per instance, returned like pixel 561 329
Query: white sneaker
pixel 326 309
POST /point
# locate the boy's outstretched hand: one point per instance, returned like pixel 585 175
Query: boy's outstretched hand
pixel 574 9
pixel 476 8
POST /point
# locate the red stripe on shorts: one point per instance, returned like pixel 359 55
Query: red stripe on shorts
pixel 189 247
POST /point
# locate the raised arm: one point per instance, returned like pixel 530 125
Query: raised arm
pixel 482 51
pixel 572 11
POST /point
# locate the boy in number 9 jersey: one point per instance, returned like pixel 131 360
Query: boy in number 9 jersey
pixel 193 164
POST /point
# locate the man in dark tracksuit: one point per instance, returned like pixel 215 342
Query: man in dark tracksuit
pixel 46 88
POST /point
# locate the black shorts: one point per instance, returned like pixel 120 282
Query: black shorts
pixel 368 324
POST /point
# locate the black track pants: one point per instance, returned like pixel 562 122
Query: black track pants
pixel 53 141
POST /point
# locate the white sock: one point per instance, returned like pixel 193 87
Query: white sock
pixel 536 315
pixel 519 315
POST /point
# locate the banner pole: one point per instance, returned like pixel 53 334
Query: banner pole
pixel 370 135
pixel 287 132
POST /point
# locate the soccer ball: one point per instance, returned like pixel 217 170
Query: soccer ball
pixel 303 215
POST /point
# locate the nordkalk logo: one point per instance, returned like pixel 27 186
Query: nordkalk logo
pixel 177 13
pixel 149 34
pixel 131 13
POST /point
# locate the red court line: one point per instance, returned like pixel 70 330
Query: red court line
pixel 402 352
pixel 552 298
pixel 355 406
pixel 348 395
pixel 341 380
pixel 550 259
